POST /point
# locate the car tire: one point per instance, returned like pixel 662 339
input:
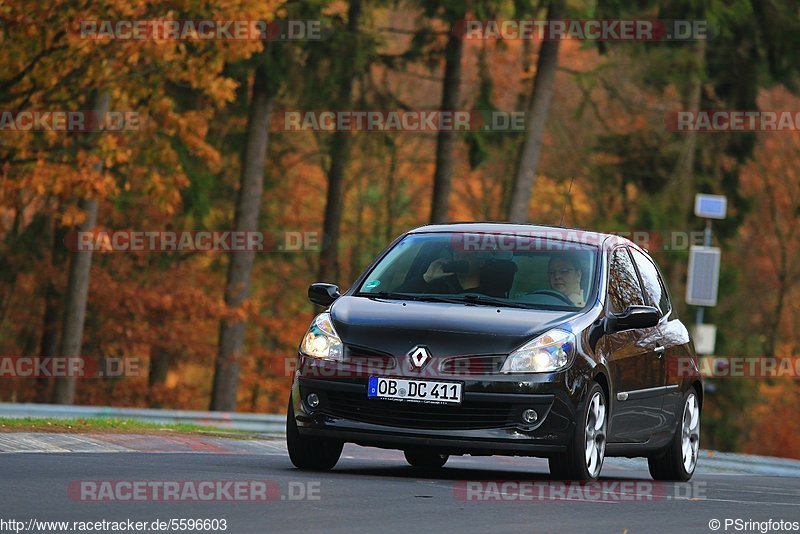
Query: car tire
pixel 426 459
pixel 310 453
pixel 678 460
pixel 579 462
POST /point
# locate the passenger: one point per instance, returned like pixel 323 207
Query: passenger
pixel 468 273
pixel 457 276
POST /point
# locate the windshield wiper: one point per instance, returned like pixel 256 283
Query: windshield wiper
pixel 392 295
pixel 475 298
pixel 470 298
pixel 412 296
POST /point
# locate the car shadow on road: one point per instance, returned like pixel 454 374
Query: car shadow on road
pixel 538 471
pixel 458 473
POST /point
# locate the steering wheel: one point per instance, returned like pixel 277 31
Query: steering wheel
pixel 553 293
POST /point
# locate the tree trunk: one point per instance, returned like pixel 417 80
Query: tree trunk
pixel 782 275
pixel 75 305
pixel 77 291
pixel 681 191
pixel 8 270
pixel 158 369
pixel 329 256
pixel 248 207
pixel 48 342
pixel 390 196
pixel 774 327
pixel 446 139
pixel 541 97
pixel 358 246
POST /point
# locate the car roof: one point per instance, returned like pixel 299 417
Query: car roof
pixel 562 233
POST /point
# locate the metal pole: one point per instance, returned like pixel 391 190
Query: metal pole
pixel 706 243
pixel 707 234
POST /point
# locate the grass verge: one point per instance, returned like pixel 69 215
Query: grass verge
pixel 102 424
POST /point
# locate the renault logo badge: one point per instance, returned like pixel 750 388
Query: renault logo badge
pixel 419 357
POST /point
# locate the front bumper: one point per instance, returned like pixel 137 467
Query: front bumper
pixel 488 421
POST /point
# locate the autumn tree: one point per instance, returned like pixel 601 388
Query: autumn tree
pixel 57 70
pixel 350 44
pixel 248 207
pixel 537 112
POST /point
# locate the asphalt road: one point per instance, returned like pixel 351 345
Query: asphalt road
pixel 374 490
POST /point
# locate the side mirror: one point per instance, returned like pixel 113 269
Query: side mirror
pixel 633 317
pixel 323 294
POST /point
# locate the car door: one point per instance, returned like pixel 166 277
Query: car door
pixel 673 339
pixel 636 368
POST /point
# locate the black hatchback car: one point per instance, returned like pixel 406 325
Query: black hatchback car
pixel 491 338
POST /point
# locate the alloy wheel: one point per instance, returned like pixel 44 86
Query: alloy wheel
pixel 595 434
pixel 690 433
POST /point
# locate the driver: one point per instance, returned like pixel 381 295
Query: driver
pixel 564 274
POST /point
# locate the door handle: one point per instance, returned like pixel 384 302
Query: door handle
pixel 660 351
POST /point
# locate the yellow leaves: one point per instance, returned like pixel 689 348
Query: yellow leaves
pixel 223 89
pixel 121 155
pixel 133 72
pixel 338 7
pixel 72 216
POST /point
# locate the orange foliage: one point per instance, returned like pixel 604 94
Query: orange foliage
pixel 776 402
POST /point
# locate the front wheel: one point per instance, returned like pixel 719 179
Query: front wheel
pixel 311 453
pixel 425 458
pixel 583 459
pixel 679 459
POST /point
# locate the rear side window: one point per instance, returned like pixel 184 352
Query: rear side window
pixel 653 285
pixel 623 285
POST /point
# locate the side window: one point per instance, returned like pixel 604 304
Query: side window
pixel 623 284
pixel 653 285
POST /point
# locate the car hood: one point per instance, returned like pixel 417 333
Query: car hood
pixel 395 327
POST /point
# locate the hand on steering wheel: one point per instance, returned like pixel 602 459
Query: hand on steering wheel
pixel 553 293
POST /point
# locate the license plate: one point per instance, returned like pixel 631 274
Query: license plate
pixel 414 390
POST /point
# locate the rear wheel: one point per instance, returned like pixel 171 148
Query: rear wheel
pixel 311 453
pixel 425 458
pixel 583 459
pixel 679 459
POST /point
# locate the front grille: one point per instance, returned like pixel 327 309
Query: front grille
pixel 370 360
pixel 473 365
pixel 470 415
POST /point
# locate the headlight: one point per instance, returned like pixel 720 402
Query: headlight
pixel 321 340
pixel 552 351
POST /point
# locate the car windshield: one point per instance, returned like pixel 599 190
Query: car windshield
pixel 496 269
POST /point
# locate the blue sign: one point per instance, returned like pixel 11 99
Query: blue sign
pixel 710 206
